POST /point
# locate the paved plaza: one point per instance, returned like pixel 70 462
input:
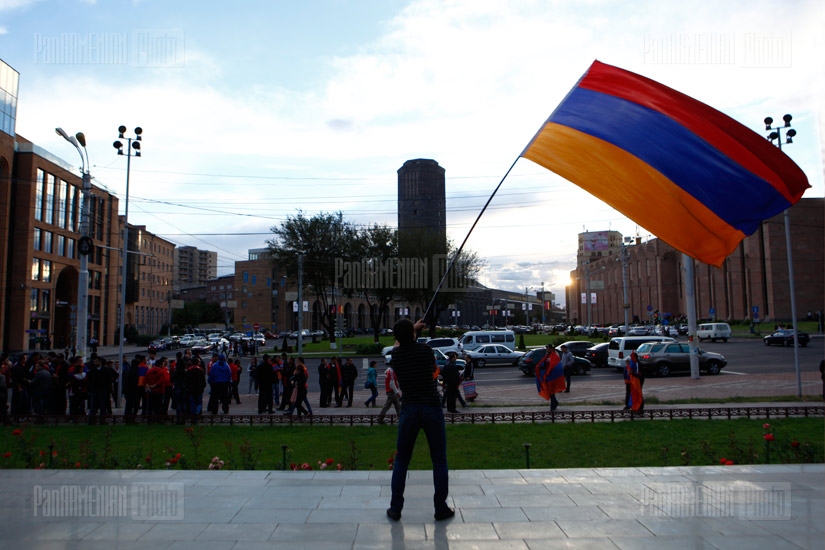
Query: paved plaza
pixel 774 507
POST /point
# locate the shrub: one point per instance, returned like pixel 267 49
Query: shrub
pixel 369 349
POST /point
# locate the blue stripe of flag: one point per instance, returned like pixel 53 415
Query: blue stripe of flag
pixel 733 193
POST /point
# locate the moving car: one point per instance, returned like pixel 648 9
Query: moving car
pixel 474 339
pixel 157 345
pixel 527 362
pixel 713 332
pixel 784 337
pixel 445 344
pixel 618 349
pixel 663 358
pixel 597 355
pixel 494 354
pixel 578 347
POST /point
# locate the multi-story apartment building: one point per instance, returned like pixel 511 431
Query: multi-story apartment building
pixel 193 267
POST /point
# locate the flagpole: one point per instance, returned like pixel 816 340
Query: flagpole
pixel 460 248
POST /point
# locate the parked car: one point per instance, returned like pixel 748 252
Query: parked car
pixel 157 345
pixel 638 330
pixel 186 340
pixel 663 358
pixel 578 347
pixel 201 347
pixel 440 358
pixel 493 354
pixel 218 342
pixel 171 342
pixel 597 355
pixel 615 330
pixel 784 337
pixel 682 329
pixel 527 362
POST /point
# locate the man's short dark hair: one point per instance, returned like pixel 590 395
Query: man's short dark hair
pixel 404 332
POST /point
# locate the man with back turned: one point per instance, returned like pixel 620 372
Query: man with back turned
pixel 416 370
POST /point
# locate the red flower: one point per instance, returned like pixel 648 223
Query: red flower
pixel 7 454
pixel 723 460
pixel 54 453
pixel 148 458
pixel 390 460
pixel 42 453
pixel 16 431
pixel 769 437
pixel 795 444
pixel 766 426
pixel 330 462
pixel 173 461
pixel 77 465
pixel 729 463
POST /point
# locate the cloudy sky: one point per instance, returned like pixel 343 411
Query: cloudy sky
pixel 253 110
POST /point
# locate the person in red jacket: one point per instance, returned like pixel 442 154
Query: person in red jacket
pixel 235 367
pixel 156 381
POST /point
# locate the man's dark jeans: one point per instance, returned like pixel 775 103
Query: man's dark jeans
pixel 413 419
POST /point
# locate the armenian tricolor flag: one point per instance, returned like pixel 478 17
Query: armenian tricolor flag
pixel 691 175
pixel 550 375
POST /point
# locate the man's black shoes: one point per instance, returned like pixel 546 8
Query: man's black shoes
pixel 446 513
pixel 393 514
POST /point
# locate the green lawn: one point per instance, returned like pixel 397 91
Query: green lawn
pixel 620 444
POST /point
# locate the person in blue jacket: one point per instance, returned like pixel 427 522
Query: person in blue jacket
pixel 220 380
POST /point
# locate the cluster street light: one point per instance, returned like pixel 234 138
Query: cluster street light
pixel 776 136
pixel 132 149
pixel 84 245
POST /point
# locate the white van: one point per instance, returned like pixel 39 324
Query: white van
pixel 476 338
pixel 713 332
pixel 620 347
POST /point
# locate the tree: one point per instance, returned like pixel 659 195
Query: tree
pixel 436 254
pixel 320 241
pixel 368 276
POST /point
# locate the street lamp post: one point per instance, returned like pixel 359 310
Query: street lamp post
pixel 776 135
pixel 542 305
pixel 132 149
pixel 85 244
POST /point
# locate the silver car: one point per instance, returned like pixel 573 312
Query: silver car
pixel 494 354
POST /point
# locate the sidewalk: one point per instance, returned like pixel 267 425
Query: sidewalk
pixel 773 507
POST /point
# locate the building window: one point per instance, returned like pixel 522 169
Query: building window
pixel 71 204
pixel 62 192
pixel 47 271
pixel 38 195
pixel 48 214
pixel 35 269
pixel 33 300
pixel 61 245
pixel 70 248
pixel 45 300
pixel 47 242
pixel 36 240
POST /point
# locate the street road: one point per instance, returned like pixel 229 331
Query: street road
pixel 745 356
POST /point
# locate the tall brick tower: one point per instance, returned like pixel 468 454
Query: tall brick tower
pixel 422 208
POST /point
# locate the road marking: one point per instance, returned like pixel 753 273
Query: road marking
pixel 734 372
